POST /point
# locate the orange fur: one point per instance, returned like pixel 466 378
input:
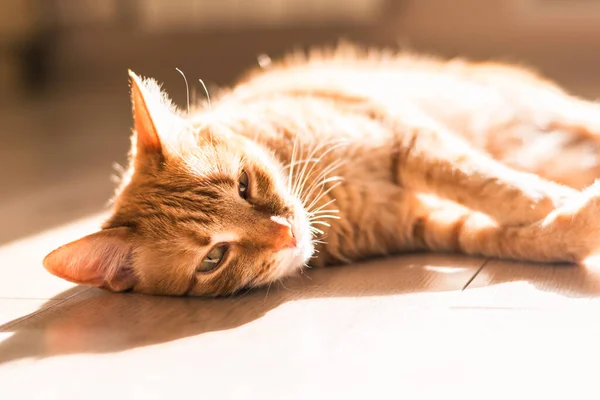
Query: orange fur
pixel 359 154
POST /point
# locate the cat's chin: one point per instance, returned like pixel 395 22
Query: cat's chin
pixel 290 261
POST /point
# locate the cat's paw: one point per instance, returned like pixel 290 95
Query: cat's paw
pixel 577 223
pixel 533 201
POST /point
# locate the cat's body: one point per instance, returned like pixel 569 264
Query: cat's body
pixel 506 111
pixel 371 154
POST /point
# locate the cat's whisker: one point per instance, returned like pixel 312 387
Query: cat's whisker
pixel 114 178
pixel 311 156
pixel 321 217
pixel 324 217
pixel 330 179
pixel 118 168
pixel 298 180
pixel 306 174
pixel 323 194
pixel 267 294
pixel 187 89
pixel 316 185
pixel 320 223
pixel 313 213
pixel 280 282
pixel 300 188
pixel 292 164
pixel 321 180
pixel 304 179
pixel 328 169
pixel 332 167
pixel 317 230
pixel 318 210
pixel 327 216
pixel 323 214
pixel 296 187
pixel 301 161
pixel 207 94
pixel 321 207
pixel 321 210
pixel 303 273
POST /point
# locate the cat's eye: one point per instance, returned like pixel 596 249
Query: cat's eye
pixel 243 185
pixel 213 259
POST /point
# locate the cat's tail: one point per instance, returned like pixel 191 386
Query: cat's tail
pixel 568 234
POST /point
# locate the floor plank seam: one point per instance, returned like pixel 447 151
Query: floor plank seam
pixel 56 303
pixel 475 274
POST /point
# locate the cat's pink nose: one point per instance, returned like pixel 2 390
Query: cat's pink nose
pixel 283 234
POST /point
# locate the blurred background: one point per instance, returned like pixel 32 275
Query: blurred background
pixel 64 101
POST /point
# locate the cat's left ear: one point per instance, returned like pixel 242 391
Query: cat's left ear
pixel 146 112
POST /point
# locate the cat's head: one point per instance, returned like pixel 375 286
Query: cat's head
pixel 204 211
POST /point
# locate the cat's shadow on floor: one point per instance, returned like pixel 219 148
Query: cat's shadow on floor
pixel 95 321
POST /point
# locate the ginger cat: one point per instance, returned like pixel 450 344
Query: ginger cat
pixel 339 156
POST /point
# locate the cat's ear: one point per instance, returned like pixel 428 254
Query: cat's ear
pixel 148 139
pixel 101 259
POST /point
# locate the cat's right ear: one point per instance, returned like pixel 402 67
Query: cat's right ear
pixel 147 137
pixel 101 259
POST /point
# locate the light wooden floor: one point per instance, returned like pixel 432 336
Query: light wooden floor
pixel 422 326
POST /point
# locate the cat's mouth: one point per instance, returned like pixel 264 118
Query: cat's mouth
pixel 291 259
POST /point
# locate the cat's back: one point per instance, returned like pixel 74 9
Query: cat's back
pixel 342 70
pixel 348 68
pixel 453 91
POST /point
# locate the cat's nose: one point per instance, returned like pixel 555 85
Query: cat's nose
pixel 283 234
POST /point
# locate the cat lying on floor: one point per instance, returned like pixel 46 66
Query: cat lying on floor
pixel 339 156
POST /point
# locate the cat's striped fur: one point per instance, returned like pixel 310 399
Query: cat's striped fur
pixel 357 153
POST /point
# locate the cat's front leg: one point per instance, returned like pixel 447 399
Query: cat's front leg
pixel 432 159
pixel 570 233
pixel 574 229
